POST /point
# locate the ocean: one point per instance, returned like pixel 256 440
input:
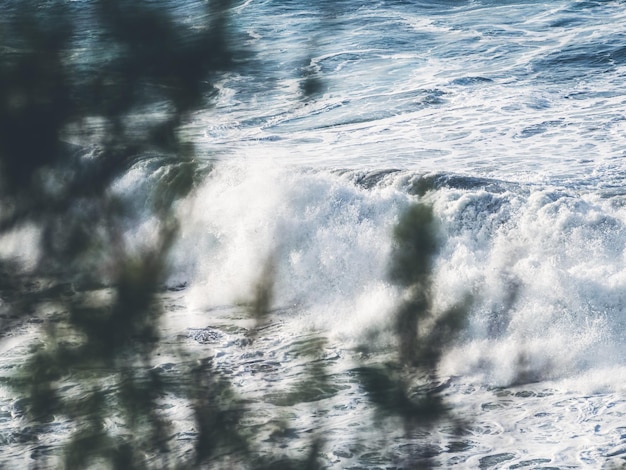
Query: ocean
pixel 507 118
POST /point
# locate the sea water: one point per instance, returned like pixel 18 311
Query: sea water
pixel 515 110
pixel 512 115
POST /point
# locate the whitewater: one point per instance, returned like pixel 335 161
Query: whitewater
pixel 508 119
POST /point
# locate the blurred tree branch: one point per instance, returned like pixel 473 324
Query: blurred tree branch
pixel 141 77
pixel 139 60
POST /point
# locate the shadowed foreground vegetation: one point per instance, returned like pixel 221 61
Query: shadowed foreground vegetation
pixel 76 82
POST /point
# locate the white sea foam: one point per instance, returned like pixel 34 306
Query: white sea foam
pixel 544 266
pixel 326 240
pixel 548 277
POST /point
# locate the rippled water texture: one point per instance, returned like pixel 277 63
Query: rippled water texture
pixel 523 89
pixel 507 118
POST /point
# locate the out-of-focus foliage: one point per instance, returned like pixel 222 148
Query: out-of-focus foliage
pixel 406 387
pixel 93 74
pixel 87 90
